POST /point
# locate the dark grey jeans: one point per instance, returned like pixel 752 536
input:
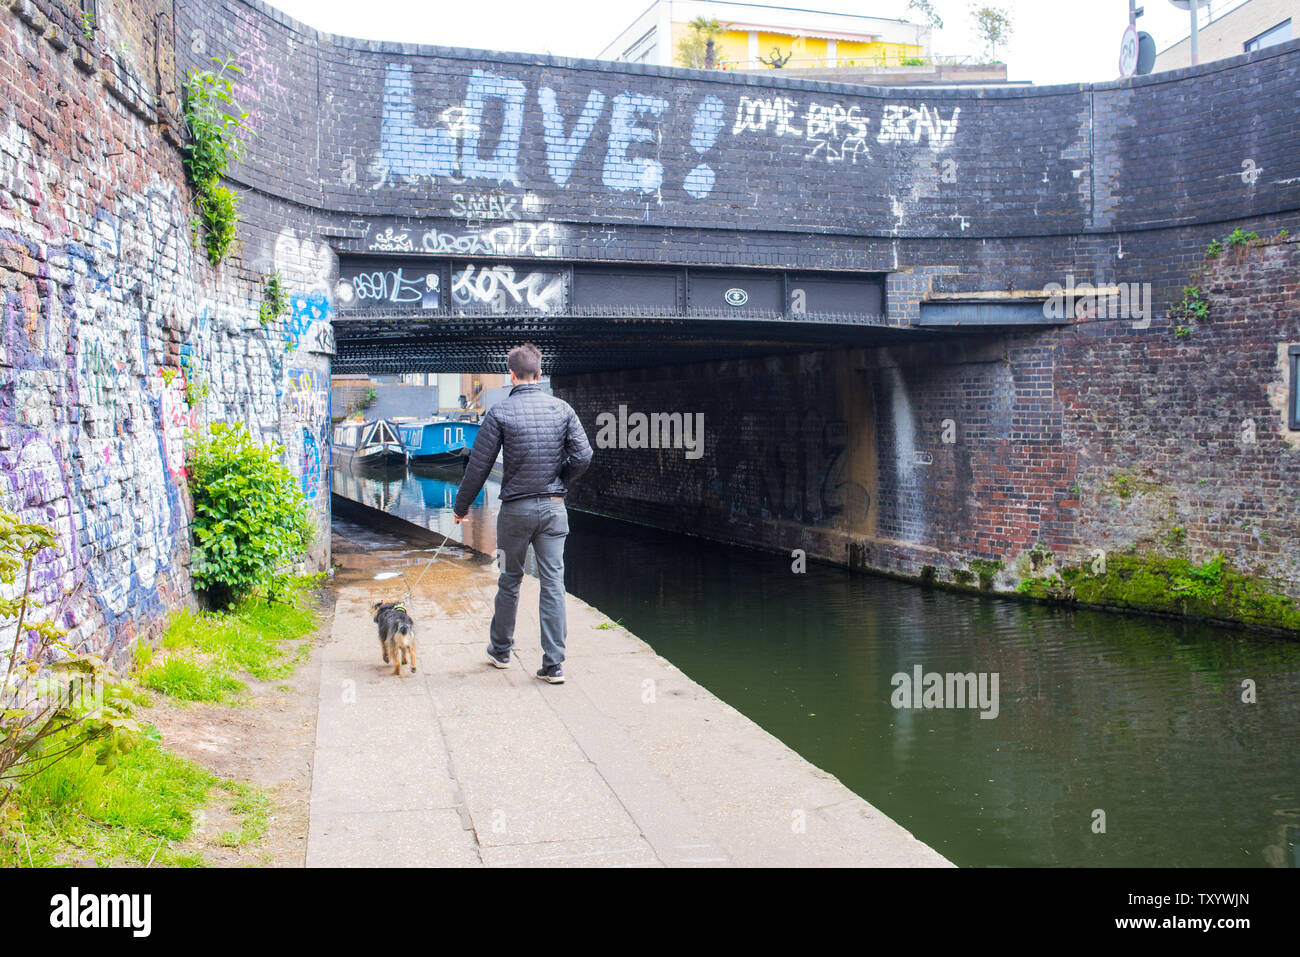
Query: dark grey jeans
pixel 543 523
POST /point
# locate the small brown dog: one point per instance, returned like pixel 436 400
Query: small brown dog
pixel 396 634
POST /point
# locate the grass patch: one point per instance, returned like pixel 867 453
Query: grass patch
pixel 203 655
pixel 139 814
pixel 190 680
pixel 73 811
pixel 252 805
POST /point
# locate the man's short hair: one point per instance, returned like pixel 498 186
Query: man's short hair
pixel 525 361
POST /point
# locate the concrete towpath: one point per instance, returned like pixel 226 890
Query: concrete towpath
pixel 630 763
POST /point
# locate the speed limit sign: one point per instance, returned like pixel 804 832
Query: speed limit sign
pixel 1128 52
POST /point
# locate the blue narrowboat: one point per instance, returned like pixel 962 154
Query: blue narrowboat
pixel 438 441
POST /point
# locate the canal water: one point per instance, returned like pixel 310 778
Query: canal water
pixel 1118 740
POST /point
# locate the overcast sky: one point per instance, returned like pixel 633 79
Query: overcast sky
pixel 1053 41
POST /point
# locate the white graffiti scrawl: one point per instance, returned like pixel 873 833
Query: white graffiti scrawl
pixel 498 288
pixel 911 125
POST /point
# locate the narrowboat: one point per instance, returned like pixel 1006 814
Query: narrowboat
pixel 438 441
pixel 374 444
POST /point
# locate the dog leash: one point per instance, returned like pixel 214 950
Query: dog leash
pixel 445 540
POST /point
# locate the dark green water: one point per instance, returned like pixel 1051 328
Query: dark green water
pixel 1141 719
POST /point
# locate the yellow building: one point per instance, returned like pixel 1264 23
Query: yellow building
pixel 753 33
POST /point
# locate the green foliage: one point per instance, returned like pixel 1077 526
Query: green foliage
pixel 927 11
pixel 609 625
pixel 1213 250
pixel 88 25
pixel 275 300
pixel 168 375
pixel 213 142
pixel 250 517
pixel 913 61
pixel 1202 582
pixel 1213 590
pixel 696 49
pixel 55 702
pixel 196 390
pixel 363 401
pixel 76 809
pixel 1182 332
pixel 1177 536
pixel 218 218
pixel 1239 237
pixel 203 654
pixel 986 570
pixel 1194 306
pixel 189 680
pixel 993 26
pixel 253 807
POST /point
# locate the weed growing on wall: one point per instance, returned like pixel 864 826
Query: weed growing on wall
pixel 196 390
pixel 251 519
pixel 55 702
pixel 213 142
pixel 1194 305
pixel 275 300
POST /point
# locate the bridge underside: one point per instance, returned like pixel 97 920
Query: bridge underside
pixel 419 314
pixel 397 344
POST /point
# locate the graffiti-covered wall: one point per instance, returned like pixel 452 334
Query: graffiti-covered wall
pixel 118 336
pixel 423 151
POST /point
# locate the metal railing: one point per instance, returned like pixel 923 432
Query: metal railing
pixel 880 61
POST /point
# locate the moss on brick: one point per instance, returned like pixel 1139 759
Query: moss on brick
pixel 986 570
pixel 1174 586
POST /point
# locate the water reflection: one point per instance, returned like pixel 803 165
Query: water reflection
pixel 425 497
pixel 1140 718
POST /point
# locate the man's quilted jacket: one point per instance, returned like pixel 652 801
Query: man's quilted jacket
pixel 546 447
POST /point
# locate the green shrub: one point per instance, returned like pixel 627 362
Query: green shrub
pixel 250 517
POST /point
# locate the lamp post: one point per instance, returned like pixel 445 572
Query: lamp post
pixel 1192 6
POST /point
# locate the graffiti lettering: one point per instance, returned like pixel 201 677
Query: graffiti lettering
pixel 480 206
pixel 837 132
pixel 498 288
pixel 561 150
pixel 905 124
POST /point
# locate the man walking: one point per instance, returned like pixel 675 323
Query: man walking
pixel 545 449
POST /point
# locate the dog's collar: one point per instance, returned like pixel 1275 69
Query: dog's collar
pixel 400 606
